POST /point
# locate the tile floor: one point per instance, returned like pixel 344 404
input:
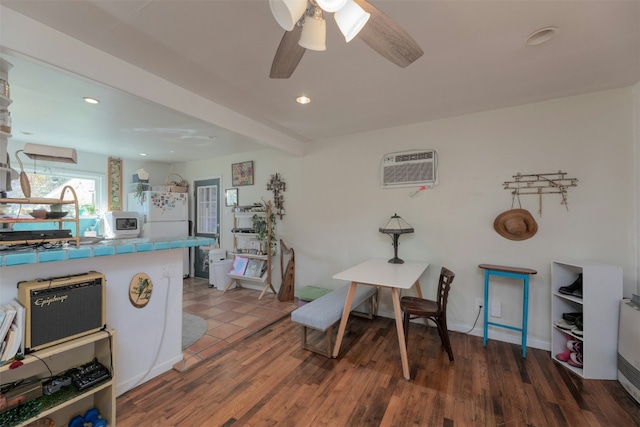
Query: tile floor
pixel 231 316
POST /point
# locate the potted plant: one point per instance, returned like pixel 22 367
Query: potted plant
pixel 261 228
pixel 89 209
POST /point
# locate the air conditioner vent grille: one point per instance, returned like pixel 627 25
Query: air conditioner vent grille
pixel 409 173
pixel 408 168
pixel 414 156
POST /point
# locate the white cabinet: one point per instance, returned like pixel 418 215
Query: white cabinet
pixel 246 245
pixel 599 305
pixel 62 357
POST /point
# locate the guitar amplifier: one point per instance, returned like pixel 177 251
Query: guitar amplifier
pixel 59 309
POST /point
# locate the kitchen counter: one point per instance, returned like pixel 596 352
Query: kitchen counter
pixel 94 248
pixel 149 338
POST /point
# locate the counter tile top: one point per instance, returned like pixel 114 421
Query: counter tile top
pixel 102 248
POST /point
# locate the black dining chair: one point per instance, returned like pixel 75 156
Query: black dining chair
pixel 436 311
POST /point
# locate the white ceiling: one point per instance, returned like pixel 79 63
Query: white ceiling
pixel 475 59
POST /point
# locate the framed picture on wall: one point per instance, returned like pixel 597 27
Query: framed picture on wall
pixel 242 173
pixel 231 197
pixel 114 184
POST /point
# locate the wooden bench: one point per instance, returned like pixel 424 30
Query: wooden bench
pixel 323 313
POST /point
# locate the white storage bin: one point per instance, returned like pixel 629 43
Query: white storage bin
pixel 218 270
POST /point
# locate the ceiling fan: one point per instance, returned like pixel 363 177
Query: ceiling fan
pixel 305 28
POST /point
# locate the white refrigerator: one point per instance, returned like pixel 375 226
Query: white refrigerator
pixel 163 214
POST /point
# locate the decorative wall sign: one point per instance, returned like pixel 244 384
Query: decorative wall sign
pixel 115 184
pixel 277 185
pixel 140 290
pixel 242 173
pixel 231 197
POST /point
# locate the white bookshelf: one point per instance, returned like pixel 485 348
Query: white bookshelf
pixel 62 357
pixel 599 305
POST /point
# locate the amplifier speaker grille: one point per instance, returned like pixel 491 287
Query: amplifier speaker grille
pixel 63 308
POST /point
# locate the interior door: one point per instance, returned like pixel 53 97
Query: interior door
pixel 207 220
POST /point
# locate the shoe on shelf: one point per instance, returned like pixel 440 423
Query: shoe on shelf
pixel 575 360
pixel 579 322
pixel 574 346
pixel 564 357
pixel 577 331
pixel 571 317
pixel 572 288
pixel 564 324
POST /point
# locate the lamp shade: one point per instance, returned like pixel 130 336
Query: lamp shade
pixel 331 5
pixel 314 34
pixel 396 225
pixel 287 12
pixel 350 19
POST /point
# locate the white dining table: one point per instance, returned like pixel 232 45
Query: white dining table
pixel 379 272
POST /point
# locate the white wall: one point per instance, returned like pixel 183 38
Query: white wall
pixel 334 204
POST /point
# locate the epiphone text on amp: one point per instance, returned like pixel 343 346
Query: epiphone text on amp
pixel 59 309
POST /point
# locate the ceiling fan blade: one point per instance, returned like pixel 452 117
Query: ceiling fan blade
pixel 288 55
pixel 386 37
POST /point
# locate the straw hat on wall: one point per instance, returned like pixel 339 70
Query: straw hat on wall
pixel 515 224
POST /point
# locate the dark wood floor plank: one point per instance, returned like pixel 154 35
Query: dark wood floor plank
pixel 268 380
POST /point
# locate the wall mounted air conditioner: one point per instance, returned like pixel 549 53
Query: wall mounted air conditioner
pixel 629 346
pixel 409 169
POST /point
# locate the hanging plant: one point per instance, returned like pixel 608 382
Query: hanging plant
pixel 139 193
pixel 261 228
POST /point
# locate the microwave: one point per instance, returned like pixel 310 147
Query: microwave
pixel 119 225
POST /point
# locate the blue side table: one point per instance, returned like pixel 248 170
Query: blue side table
pixel 515 273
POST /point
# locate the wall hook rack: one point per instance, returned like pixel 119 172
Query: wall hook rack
pixel 541 183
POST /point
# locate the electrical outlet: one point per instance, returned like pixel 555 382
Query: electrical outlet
pixel 479 302
pixel 496 309
pixel 167 270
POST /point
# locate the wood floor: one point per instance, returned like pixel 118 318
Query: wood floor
pixel 267 380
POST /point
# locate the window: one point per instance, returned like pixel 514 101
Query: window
pixel 49 184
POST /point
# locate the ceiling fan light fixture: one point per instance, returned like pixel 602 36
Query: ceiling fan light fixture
pixel 331 5
pixel 350 19
pixel 314 33
pixel 288 12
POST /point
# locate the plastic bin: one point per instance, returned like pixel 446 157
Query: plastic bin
pixel 218 270
pixel 217 255
pixel 214 255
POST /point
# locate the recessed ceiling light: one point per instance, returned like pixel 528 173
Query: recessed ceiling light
pixel 543 35
pixel 143 154
pixel 91 100
pixel 303 100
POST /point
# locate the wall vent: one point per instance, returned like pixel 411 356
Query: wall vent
pixel 409 168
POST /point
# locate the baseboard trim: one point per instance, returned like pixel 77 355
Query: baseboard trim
pixel 493 334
